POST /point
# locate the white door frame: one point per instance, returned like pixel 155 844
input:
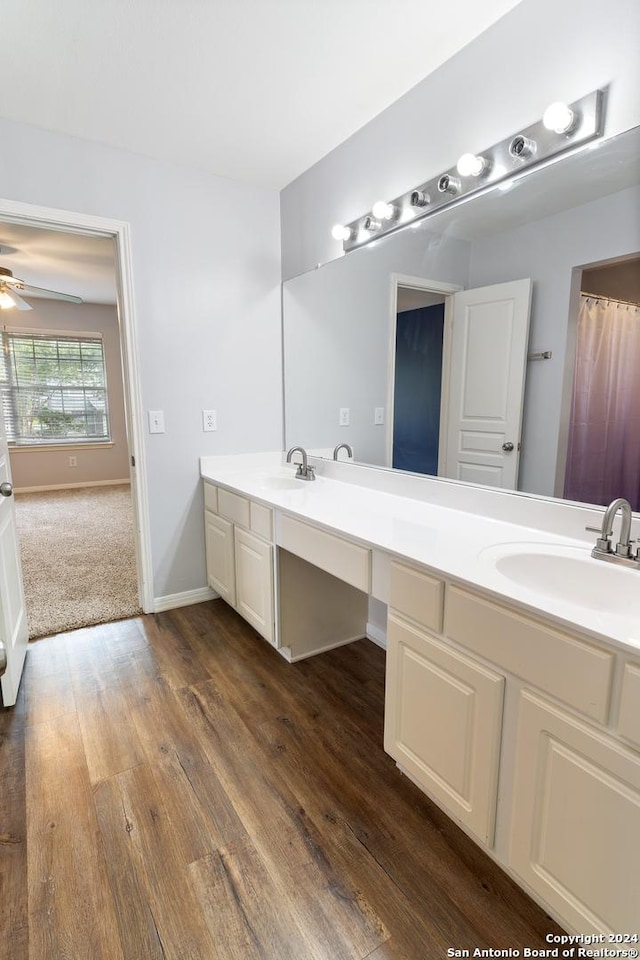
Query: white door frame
pixel 49 218
pixel 428 286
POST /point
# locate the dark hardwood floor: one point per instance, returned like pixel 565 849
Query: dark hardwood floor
pixel 172 788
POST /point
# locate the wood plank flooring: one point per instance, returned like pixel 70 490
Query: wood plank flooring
pixel 171 789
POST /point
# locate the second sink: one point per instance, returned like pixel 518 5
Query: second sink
pixel 568 573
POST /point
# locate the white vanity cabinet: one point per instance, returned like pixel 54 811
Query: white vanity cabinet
pixel 303 589
pixel 575 822
pixel 240 556
pixel 443 710
pixel 560 782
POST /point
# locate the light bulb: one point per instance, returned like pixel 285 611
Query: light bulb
pixel 6 300
pixel 470 165
pixel 559 117
pixel 383 210
pixel 340 232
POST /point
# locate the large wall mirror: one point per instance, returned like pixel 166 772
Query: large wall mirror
pixel 463 346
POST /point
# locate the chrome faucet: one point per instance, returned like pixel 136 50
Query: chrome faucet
pixel 342 446
pixel 305 471
pixel 622 553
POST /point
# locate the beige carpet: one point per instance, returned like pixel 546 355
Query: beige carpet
pixel 78 558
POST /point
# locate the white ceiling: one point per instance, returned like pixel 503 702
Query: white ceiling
pixel 254 90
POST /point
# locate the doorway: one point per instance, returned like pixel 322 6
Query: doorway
pixel 418 374
pixel 36 222
pixel 418 381
pixel 602 449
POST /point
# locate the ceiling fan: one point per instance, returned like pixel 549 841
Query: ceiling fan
pixel 12 290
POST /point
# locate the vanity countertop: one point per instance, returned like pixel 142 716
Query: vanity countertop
pixel 455 543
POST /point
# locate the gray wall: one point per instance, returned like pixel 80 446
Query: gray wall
pixel 38 468
pixel 539 52
pixel 548 250
pixel 207 307
pixel 337 328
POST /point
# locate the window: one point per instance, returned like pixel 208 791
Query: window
pixel 53 388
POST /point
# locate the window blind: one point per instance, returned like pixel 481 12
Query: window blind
pixel 53 388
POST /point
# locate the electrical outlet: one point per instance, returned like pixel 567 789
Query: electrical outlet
pixel 73 461
pixel 344 417
pixel 209 420
pixel 156 421
pixel 378 416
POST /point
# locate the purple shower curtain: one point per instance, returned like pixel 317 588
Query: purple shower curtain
pixel 603 456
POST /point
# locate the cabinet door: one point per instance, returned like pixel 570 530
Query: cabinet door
pixel 254 582
pixel 443 722
pixel 575 828
pixel 220 556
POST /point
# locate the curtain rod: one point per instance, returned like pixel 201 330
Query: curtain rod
pixel 596 296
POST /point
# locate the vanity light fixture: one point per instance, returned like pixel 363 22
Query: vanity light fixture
pixel 471 165
pixel 559 118
pixel 340 232
pixel 564 127
pixel 384 211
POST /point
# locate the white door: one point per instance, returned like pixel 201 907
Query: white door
pixel 14 634
pixel 486 384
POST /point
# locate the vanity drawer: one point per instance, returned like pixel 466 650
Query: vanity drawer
pixel 345 560
pixel 629 719
pixel 417 595
pixel 261 519
pixel 233 507
pixel 210 497
pixel 569 669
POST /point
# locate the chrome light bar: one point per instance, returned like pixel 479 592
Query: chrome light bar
pixel 578 124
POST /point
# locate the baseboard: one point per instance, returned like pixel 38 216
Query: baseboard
pixel 72 486
pixel 377 635
pixel 185 599
pixel 313 653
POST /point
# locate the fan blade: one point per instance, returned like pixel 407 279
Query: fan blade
pixel 28 291
pixel 16 300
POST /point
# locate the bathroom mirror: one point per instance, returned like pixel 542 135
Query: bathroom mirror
pixel 339 321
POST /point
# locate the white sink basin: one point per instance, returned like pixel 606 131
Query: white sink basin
pixel 568 573
pixel 283 483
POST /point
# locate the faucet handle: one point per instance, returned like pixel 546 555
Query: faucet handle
pixel 603 544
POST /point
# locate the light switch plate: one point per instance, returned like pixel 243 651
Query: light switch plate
pixel 344 417
pixel 378 416
pixel 156 421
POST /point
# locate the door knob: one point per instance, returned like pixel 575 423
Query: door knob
pixel 6 488
pixel 507 447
